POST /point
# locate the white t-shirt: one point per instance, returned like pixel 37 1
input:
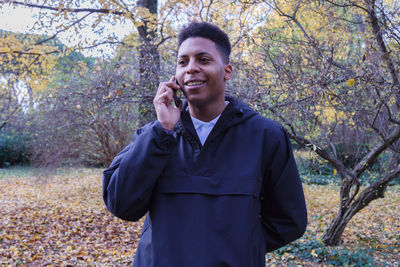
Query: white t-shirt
pixel 203 129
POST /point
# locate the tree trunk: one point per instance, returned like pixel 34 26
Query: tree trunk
pixel 335 230
pixel 376 190
pixel 149 62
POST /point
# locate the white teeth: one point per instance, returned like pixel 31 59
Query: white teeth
pixel 194 83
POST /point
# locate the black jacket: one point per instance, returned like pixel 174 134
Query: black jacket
pixel 226 203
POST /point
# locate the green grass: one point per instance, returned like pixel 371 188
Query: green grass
pixel 18 171
pixel 27 171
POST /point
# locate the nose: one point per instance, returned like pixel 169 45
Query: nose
pixel 192 67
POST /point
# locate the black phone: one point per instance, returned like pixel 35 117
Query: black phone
pixel 177 95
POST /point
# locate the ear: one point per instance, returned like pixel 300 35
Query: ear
pixel 228 72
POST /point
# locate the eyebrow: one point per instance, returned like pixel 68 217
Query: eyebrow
pixel 197 55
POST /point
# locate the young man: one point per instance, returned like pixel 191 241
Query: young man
pixel 217 181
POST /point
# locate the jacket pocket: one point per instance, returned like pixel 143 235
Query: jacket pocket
pixel 209 185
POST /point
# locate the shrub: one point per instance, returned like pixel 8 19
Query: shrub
pixel 13 149
pixel 316 251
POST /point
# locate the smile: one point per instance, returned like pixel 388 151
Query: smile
pixel 194 83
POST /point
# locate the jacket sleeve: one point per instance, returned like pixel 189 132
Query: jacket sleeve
pixel 129 182
pixel 283 207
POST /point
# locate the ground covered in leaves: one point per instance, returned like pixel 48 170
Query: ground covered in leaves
pixel 57 218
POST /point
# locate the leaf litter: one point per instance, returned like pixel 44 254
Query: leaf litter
pixel 59 219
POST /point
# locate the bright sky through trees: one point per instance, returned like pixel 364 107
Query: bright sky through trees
pixel 21 20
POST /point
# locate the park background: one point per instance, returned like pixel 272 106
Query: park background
pixel 78 82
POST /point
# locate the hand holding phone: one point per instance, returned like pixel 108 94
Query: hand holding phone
pixel 168 115
pixel 177 95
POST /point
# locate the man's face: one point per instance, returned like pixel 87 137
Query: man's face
pixel 201 72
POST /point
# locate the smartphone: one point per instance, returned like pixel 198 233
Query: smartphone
pixel 177 95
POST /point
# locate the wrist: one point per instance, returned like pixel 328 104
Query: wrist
pixel 167 126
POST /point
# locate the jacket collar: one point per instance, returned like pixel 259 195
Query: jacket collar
pixel 234 113
pixel 236 110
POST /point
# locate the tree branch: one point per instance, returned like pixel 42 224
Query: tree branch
pixel 30 53
pixel 310 39
pixel 351 4
pixel 376 151
pixel 382 46
pixel 309 143
pixel 60 31
pixel 376 190
pixel 67 9
pixel 5 121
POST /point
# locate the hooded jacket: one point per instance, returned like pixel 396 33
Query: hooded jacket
pixel 226 203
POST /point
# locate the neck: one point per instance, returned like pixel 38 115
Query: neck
pixel 207 112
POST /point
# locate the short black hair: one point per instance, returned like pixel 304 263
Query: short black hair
pixel 208 31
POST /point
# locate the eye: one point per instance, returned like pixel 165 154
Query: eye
pixel 204 59
pixel 181 62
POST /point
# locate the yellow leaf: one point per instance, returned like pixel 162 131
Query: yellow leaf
pixel 334 171
pixel 350 82
pixel 313 253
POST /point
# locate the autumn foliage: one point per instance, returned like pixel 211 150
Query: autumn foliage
pixel 54 219
pixel 57 218
pixel 326 70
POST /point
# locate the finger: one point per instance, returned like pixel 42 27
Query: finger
pixel 165 86
pixel 167 94
pixel 174 83
pixel 164 98
pixel 161 88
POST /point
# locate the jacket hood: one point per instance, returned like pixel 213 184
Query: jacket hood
pixel 234 113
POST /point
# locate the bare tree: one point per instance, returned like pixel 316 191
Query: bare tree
pixel 90 114
pixel 143 14
pixel 337 93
